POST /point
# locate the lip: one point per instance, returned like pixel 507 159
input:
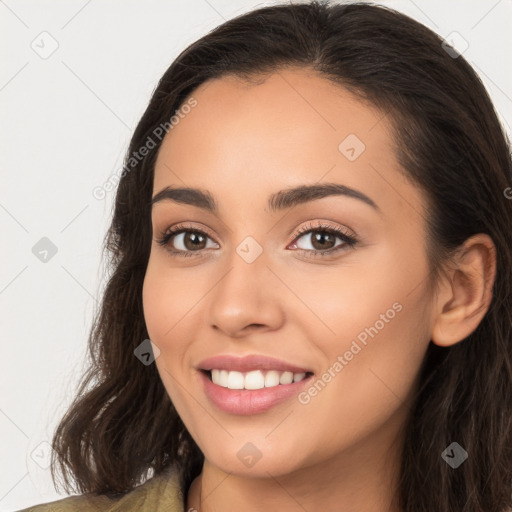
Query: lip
pixel 249 363
pixel 249 401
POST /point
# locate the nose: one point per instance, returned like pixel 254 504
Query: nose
pixel 247 297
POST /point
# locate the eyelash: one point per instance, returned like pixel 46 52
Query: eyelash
pixel 349 241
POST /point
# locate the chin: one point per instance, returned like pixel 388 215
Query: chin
pixel 258 458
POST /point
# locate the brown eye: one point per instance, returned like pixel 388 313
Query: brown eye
pixel 183 241
pixel 193 240
pixel 323 240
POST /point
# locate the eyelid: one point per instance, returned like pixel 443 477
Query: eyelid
pixel 175 229
pixel 348 238
pixel 317 224
pixel 321 225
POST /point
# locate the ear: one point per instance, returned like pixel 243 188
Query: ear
pixel 465 293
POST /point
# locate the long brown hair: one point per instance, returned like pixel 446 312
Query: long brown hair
pixel 122 427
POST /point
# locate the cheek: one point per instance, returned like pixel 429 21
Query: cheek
pixel 162 313
pixel 168 300
pixel 372 387
pixel 345 299
pixel 171 305
pixel 164 305
pixel 377 315
pixel 154 301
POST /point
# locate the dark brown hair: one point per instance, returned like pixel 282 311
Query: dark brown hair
pixel 122 427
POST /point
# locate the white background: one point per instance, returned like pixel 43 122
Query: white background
pixel 66 123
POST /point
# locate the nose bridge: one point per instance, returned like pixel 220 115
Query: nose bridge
pixel 246 272
pixel 245 294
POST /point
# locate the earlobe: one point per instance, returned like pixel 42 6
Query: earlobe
pixel 465 294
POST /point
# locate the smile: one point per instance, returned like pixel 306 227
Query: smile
pixel 256 379
pixel 250 383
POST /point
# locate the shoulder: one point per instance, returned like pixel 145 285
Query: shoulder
pixel 74 503
pixel 158 494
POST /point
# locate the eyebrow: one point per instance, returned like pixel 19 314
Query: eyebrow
pixel 280 200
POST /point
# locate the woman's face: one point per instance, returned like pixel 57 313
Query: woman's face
pixel 356 319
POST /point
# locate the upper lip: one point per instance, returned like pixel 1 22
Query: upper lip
pixel 248 363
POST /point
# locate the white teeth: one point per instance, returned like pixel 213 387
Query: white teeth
pixel 235 380
pixel 286 378
pixel 255 379
pixel 223 378
pixel 271 379
pixel 220 376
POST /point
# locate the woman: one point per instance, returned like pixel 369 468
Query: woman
pixel 310 304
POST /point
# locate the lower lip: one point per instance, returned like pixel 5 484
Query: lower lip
pixel 248 401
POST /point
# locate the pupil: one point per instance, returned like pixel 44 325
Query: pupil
pixel 195 239
pixel 319 239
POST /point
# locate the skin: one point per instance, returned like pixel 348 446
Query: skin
pixel 243 142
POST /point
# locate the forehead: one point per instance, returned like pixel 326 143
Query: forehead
pixel 292 127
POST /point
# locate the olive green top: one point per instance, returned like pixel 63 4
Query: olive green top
pixel 159 494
